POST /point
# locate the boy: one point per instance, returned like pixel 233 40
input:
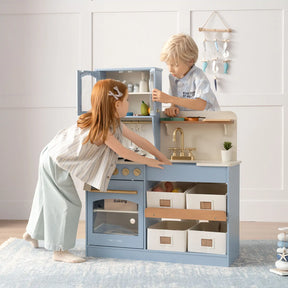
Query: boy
pixel 188 84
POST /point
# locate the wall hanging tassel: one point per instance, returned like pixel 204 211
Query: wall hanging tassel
pixel 225 67
pixel 204 45
pixel 216 45
pixel 215 83
pixel 204 65
pixel 225 51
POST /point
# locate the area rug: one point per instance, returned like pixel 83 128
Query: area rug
pixel 25 267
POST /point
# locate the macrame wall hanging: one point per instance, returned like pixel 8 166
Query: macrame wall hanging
pixel 216 47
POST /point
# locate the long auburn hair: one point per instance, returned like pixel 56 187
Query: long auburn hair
pixel 103 114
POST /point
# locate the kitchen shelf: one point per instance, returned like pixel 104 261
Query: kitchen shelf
pixel 185 214
pixel 139 93
pixel 115 211
pixel 225 122
pixel 137 119
pixel 208 121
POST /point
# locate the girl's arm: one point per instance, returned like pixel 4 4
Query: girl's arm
pixel 144 144
pixel 119 149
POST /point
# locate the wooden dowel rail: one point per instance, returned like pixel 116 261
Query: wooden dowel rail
pixel 214 30
pixel 185 214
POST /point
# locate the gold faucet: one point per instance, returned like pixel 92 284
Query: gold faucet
pixel 182 149
pixel 182 139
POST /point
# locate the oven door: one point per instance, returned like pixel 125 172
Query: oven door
pixel 115 217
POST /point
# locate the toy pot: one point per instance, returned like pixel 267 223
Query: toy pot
pixel 226 155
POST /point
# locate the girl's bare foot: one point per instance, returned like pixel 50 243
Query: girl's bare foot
pixel 33 242
pixel 66 256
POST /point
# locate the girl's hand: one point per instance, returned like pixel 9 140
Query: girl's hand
pixel 154 163
pixel 172 111
pixel 159 96
pixel 164 159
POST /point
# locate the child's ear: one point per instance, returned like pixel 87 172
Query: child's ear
pixel 117 103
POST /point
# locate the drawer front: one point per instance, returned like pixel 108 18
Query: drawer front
pixel 189 173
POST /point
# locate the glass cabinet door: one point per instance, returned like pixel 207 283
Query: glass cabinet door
pixel 115 217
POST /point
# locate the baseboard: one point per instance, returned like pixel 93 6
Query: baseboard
pixel 263 211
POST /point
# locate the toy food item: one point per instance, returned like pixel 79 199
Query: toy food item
pixel 168 186
pixel 144 109
pixel 158 188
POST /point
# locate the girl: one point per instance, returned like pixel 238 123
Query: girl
pixel 89 151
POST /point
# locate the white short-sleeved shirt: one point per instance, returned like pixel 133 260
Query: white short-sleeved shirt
pixel 90 163
pixel 194 85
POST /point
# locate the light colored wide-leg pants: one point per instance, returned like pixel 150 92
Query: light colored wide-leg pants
pixel 56 207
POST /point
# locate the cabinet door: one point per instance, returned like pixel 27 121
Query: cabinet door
pixel 115 218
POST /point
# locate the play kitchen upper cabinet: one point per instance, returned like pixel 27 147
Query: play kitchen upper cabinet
pixel 140 83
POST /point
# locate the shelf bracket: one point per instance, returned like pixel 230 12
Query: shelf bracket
pixel 225 129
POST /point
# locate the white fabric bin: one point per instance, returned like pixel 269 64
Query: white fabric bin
pixel 162 199
pixel 208 196
pixel 208 237
pixel 169 235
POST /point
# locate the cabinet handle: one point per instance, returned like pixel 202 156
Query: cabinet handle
pixel 92 189
pixel 121 191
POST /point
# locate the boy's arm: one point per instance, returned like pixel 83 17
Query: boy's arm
pixel 144 144
pixel 193 104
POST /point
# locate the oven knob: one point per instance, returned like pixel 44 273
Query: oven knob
pixel 136 171
pixel 125 171
pixel 116 171
pixel 132 221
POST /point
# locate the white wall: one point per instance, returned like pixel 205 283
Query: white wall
pixel 43 43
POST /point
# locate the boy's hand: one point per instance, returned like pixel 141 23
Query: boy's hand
pixel 172 111
pixel 159 96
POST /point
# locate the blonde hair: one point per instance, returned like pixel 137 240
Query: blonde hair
pixel 101 117
pixel 180 47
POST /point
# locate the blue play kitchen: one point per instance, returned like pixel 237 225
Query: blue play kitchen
pixel 187 212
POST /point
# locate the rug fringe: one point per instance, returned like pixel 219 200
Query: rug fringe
pixel 10 240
